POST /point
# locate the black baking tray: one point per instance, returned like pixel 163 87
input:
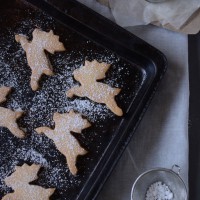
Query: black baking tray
pixel 85 34
pixel 194 116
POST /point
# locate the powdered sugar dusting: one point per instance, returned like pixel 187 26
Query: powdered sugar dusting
pixel 88 76
pixel 36 57
pixel 90 109
pixel 159 191
pixel 32 156
pixel 39 106
pixel 63 139
pixel 20 180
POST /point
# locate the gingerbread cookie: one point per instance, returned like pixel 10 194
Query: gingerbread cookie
pixel 4 92
pixel 63 139
pixel 36 56
pixel 8 117
pixel 19 182
pixel 99 92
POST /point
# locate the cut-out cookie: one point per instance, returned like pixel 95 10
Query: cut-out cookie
pixel 63 139
pixel 8 117
pixel 88 75
pixel 36 56
pixel 3 93
pixel 19 182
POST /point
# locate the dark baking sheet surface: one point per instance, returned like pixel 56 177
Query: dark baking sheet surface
pixel 194 117
pixel 136 67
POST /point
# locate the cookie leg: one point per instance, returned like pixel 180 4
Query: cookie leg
pixel 48 72
pixel 34 82
pixel 72 165
pixel 72 157
pixel 45 130
pixel 112 105
pixel 14 129
pixel 77 91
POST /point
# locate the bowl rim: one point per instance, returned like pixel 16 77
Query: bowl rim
pixel 159 169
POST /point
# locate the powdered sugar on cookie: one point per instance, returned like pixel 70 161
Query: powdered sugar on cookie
pixel 99 92
pixel 19 181
pixel 63 139
pixel 36 57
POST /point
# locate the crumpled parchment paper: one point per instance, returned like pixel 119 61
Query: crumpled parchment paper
pixel 177 15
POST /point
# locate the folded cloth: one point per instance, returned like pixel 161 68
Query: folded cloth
pixel 177 15
pixel 174 12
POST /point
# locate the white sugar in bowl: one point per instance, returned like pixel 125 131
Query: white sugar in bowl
pixel 158 183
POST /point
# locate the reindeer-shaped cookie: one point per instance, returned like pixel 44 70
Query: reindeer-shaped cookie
pixel 65 142
pixel 36 56
pixel 99 92
pixel 8 117
pixel 19 182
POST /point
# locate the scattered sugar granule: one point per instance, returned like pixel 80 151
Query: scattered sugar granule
pixel 159 191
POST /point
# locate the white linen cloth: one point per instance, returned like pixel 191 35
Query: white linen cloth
pixel 175 15
pixel 181 16
pixel 161 139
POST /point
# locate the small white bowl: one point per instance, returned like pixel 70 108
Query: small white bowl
pixel 170 177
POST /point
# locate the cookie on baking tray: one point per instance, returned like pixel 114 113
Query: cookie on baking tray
pixel 20 180
pixel 88 76
pixel 35 53
pixel 65 142
pixel 8 117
